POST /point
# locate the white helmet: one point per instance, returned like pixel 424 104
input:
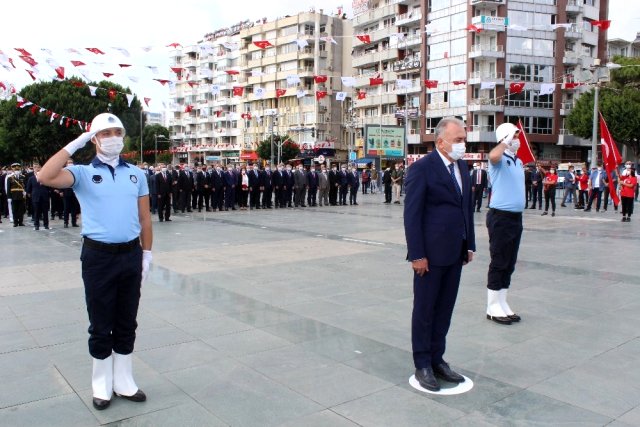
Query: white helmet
pixel 504 131
pixel 105 121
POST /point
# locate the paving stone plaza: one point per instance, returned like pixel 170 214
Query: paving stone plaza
pixel 301 317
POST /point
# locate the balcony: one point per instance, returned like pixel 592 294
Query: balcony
pixel 407 18
pixel 490 23
pixel 481 133
pixel 574 7
pixel 573 33
pixel 485 105
pixel 486 4
pixel 360 59
pixel 477 77
pixel 565 108
pixel 412 40
pixel 570 58
pixel 486 51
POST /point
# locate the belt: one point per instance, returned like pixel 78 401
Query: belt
pixel 505 213
pixel 113 248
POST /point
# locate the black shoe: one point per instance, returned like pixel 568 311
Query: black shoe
pixel 21 225
pixel 100 404
pixel 15 225
pixel 587 210
pixel 139 396
pixel 563 205
pixel 444 372
pixel 66 226
pixel 477 210
pixel 545 213
pixel 553 214
pixel 161 220
pixel 75 225
pixel 532 207
pixel 514 317
pixel 386 203
pixel 47 228
pixel 427 379
pixel 500 320
pixel 38 228
pixel 168 220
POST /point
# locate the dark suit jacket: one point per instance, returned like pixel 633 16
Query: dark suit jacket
pixel 435 217
pixel 483 178
pixel 266 179
pixel 254 179
pixel 312 179
pixel 163 186
pixel 353 180
pixel 229 179
pixel 278 179
pixel 39 193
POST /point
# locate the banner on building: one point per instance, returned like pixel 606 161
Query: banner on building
pixel 384 141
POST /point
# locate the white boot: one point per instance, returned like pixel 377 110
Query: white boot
pixel 505 306
pixel 495 311
pixel 123 383
pixel 102 378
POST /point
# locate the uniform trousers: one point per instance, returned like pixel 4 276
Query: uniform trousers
pixel 505 231
pixel 40 209
pixel 112 284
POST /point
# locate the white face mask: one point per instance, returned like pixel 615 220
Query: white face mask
pixel 163 170
pixel 552 171
pixel 627 166
pixel 267 169
pixel 457 150
pixel 313 170
pixel 110 149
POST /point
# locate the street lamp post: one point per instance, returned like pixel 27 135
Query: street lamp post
pixel 594 129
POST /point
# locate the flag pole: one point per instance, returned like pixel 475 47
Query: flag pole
pixel 594 131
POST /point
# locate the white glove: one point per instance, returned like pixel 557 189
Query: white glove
pixel 79 142
pixel 146 261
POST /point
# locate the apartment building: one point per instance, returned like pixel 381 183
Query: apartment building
pixel 620 47
pixel 486 61
pixel 240 85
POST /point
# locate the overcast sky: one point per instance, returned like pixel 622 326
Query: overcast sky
pixel 133 24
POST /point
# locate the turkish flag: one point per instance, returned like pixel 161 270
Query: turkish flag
pixel 78 63
pixel 33 77
pixel 174 45
pixel 246 116
pixel 192 84
pixel 362 95
pixel 516 87
pixel 376 81
pixel 60 72
pixel 112 94
pixel 232 72
pixel 262 44
pixel 162 81
pixel 29 60
pixel 124 65
pixel 176 69
pixel 571 85
pixel 320 79
pixel 107 75
pixel 603 25
pixel 524 152
pixel 280 92
pixel 474 28
pixel 364 38
pixel 95 50
pixel 146 101
pixel 22 51
pixel 459 82
pixel 188 109
pixel 238 90
pixel 321 94
pixel 611 157
pixel 431 84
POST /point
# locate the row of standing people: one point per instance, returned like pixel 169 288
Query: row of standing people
pixel 214 188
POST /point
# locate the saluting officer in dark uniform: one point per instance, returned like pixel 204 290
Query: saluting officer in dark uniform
pixel 116 251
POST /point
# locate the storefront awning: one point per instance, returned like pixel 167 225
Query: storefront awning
pixel 364 161
pixel 249 155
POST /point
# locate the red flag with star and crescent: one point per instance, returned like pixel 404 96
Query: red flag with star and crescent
pixel 611 157
pixel 524 152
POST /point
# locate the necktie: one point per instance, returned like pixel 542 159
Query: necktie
pixel 455 181
pixel 479 174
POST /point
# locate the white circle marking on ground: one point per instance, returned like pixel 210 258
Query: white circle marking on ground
pixel 448 391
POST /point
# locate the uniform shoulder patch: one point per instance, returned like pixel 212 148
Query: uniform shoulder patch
pixel 133 179
pixel 97 179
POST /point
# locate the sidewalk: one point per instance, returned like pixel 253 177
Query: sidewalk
pixel 301 317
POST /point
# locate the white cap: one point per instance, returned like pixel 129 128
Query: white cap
pixel 105 121
pixel 505 131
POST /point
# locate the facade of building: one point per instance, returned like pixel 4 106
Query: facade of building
pixel 619 47
pixel 486 61
pixel 241 85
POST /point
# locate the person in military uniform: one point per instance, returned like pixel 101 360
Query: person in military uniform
pixel 16 192
pixel 116 251
pixel 70 204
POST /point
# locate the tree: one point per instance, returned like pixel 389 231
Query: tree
pixel 149 142
pixel 290 150
pixel 619 103
pixel 28 134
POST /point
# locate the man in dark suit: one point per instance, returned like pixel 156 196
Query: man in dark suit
pixel 536 187
pixel 40 198
pixel 353 182
pixel 278 186
pixel 254 186
pixel 289 183
pixel 386 181
pixel 343 181
pixel 217 188
pixel 527 185
pixel 201 184
pixel 266 184
pixel 438 223
pixel 153 193
pixel 164 180
pixel 478 184
pixel 175 174
pixel 185 188
pixel 333 186
pixel 312 182
pixel 230 182
pixel 299 186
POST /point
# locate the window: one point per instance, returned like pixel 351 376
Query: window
pixel 293 29
pixel 371 112
pixel 308 29
pixel 438 4
pixel 457 98
pixel 440 74
pixel 542 125
pixel 530 72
